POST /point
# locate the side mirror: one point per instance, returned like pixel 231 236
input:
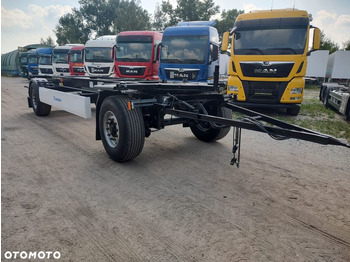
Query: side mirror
pixel 157 54
pixel 113 52
pixel 68 57
pixel 317 39
pixel 225 40
pixel 214 52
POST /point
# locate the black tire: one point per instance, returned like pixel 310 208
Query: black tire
pixel 326 92
pixel 207 133
pixel 39 108
pixel 293 111
pixel 347 115
pixel 122 130
pixel 321 93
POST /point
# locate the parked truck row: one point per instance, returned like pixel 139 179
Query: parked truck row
pixel 266 65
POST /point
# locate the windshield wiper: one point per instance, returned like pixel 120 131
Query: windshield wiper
pixel 284 49
pixel 252 49
pixel 178 61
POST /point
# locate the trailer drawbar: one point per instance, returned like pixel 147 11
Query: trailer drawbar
pixel 128 110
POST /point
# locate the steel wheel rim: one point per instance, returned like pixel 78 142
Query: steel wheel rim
pixel 111 129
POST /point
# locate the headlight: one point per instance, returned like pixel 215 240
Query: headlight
pixel 233 88
pixel 295 98
pixel 297 90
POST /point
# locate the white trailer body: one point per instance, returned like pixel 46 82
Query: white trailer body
pixel 338 66
pixel 332 93
pixel 317 64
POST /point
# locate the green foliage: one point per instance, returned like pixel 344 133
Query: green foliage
pixel 101 17
pixel 227 21
pixel 49 41
pixel 131 16
pixel 71 29
pixel 328 44
pixel 346 45
pixel 185 10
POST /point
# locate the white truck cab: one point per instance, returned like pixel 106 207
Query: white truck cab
pixel 98 57
pixel 60 64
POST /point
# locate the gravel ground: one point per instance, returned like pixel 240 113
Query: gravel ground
pixel 180 200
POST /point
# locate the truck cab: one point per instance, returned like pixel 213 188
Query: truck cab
pixel 23 62
pixel 45 62
pixel 189 52
pixel 269 57
pixel 76 61
pixel 60 62
pixel 98 59
pixel 135 55
pixel 33 59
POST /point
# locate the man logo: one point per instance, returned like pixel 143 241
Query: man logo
pixel 265 71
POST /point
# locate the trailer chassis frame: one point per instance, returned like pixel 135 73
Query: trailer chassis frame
pixel 186 104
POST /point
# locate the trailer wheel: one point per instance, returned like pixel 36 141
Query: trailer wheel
pixel 39 108
pixel 326 92
pixel 122 130
pixel 204 131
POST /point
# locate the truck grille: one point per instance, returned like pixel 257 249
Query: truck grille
pixel 266 69
pixel 62 70
pixel 98 70
pixel 78 69
pixel 264 92
pixel 131 70
pixel 179 74
pixel 46 70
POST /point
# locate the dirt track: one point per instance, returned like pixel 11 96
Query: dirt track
pixel 180 200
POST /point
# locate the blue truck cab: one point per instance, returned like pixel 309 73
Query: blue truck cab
pixel 189 52
pixel 23 62
pixel 45 61
pixel 33 63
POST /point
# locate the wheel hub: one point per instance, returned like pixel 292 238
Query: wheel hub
pixel 111 129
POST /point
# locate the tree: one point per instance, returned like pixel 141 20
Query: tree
pixel 131 16
pixel 187 10
pixel 49 41
pixel 328 44
pixel 71 29
pixel 228 19
pixel 101 17
pixel 160 18
pixel 346 45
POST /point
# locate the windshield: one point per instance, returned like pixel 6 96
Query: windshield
pixel 23 60
pixel 184 49
pixel 45 60
pixel 76 56
pixel 32 59
pixel 134 48
pixel 60 56
pixel 98 54
pixel 274 41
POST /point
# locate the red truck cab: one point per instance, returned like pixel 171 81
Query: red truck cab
pixel 135 55
pixel 76 62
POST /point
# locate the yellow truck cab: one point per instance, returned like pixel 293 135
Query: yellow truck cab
pixel 269 57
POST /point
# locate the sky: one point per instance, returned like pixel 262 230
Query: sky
pixel 25 22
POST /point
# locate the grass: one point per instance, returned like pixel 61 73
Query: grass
pixel 315 116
